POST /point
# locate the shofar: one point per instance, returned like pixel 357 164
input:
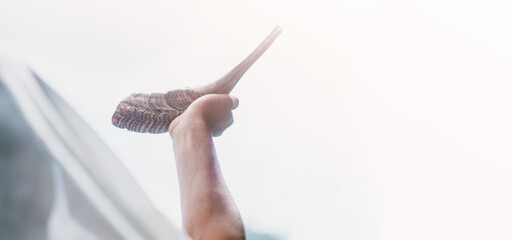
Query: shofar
pixel 154 112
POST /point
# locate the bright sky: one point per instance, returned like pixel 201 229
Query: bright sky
pixel 365 120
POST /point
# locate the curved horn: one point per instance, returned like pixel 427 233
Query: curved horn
pixel 154 112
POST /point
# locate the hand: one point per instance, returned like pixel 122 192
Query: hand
pixel 208 209
pixel 212 111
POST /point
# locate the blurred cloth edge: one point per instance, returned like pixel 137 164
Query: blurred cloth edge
pixel 53 167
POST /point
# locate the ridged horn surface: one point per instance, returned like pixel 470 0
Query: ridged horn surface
pixel 154 112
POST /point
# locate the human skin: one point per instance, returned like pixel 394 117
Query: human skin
pixel 208 209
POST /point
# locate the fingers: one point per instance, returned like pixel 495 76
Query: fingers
pixel 223 117
pixel 235 101
pixel 219 129
pixel 221 101
pixel 216 101
pixel 214 109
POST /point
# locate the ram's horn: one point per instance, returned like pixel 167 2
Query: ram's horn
pixel 154 112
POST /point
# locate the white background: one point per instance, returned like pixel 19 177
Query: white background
pixel 365 120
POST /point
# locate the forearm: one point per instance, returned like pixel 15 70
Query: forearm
pixel 208 210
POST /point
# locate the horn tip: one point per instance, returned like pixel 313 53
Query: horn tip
pixel 278 29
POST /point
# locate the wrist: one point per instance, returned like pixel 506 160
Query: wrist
pixel 187 125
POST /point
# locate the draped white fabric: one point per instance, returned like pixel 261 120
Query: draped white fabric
pixel 94 197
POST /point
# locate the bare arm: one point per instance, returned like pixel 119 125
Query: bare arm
pixel 208 210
